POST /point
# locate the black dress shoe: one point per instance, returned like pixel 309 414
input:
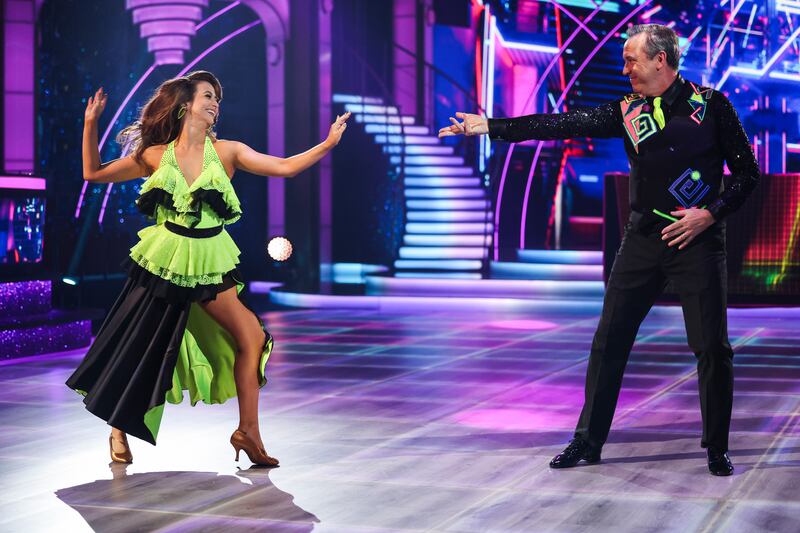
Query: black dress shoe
pixel 578 450
pixel 719 464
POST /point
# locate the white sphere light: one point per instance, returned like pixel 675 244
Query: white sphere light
pixel 279 249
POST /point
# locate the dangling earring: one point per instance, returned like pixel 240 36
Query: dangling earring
pixel 181 112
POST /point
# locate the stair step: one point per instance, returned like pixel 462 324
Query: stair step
pixel 572 257
pixel 418 170
pixel 384 119
pixel 487 288
pixel 25 297
pixel 26 334
pixel 442 182
pixel 503 270
pixel 586 221
pixel 371 109
pixel 452 228
pixel 427 160
pixel 448 192
pixel 438 264
pixel 447 240
pixel 448 216
pixel 447 275
pixel 449 204
pixel 442 252
pixel 405 130
pixel 356 99
pixel 406 139
pixel 418 150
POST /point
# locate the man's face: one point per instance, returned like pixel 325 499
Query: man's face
pixel 640 69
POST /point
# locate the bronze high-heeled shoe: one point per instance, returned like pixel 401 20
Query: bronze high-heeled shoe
pixel 122 457
pixel 242 441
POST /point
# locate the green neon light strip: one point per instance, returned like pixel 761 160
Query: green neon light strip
pixel 664 215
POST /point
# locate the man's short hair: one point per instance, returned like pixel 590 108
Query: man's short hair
pixel 659 38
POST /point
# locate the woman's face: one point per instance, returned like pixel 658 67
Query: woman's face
pixel 205 104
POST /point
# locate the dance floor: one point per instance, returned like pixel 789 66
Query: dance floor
pixel 423 422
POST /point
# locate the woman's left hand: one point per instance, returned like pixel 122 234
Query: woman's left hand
pixel 337 129
pixel 691 223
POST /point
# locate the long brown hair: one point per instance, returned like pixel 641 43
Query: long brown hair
pixel 159 122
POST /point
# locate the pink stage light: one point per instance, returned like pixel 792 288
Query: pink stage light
pixel 22 182
pixel 527 325
pixel 532 419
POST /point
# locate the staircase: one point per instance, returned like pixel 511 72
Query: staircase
pixel 562 265
pixel 447 225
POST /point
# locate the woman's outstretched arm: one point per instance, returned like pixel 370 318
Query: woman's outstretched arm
pixel 123 169
pixel 254 162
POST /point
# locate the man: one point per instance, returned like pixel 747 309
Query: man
pixel 677 135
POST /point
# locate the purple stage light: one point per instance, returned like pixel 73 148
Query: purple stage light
pixel 217 45
pixel 578 21
pixel 217 14
pixel 105 137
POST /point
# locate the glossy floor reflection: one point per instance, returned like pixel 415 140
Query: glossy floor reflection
pixel 429 422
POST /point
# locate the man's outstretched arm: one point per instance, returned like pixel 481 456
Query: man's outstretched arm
pixel 601 121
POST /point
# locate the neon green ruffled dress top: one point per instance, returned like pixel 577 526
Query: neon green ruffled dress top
pixel 209 202
pixel 204 365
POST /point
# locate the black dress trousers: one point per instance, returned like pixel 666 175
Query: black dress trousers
pixel 643 265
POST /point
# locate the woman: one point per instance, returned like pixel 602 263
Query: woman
pixel 179 323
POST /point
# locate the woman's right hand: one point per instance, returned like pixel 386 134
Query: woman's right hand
pixel 95 106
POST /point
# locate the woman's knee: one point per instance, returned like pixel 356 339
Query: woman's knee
pixel 252 340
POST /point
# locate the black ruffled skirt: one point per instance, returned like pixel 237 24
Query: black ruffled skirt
pixel 156 343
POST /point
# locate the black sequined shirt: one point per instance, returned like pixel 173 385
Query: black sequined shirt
pixel 677 167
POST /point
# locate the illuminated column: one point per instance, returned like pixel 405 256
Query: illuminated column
pixel 308 105
pixel 325 111
pixel 413 30
pixel 274 15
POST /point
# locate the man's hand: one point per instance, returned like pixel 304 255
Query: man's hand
pixel 691 223
pixel 471 125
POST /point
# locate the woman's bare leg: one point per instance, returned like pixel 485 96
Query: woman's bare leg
pixel 118 440
pixel 230 313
